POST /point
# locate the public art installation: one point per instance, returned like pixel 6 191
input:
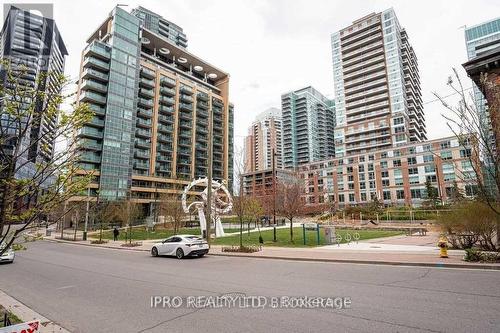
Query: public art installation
pixel 222 202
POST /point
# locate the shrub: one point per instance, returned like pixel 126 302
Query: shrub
pixel 470 224
pixel 475 255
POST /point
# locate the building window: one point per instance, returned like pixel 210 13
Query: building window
pixel 383 164
pixel 396 163
pixel 350 186
pixel 412 160
pixel 413 171
pixel 387 195
pixel 431 178
pixel 385 182
pixel 384 174
pixel 351 197
pixel 428 158
pixel 416 194
pixel 400 194
pixel 430 168
pixel 445 145
pixel 361 168
pixel 446 155
pixel 341 198
pixel 363 196
pixel 465 153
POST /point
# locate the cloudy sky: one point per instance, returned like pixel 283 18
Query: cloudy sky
pixel 270 47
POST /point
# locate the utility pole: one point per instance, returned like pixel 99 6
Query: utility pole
pixel 209 171
pixel 274 194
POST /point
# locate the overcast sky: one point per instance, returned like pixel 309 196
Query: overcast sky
pixel 270 47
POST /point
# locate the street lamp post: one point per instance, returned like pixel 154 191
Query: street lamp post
pixel 274 194
pixel 209 172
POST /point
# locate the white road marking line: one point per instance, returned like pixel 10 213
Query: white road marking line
pixel 65 287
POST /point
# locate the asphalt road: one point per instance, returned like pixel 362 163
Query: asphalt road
pixel 88 289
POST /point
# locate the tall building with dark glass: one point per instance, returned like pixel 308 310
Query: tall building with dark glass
pixel 152 101
pixel 32 44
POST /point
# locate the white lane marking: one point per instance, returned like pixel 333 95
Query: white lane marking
pixel 65 287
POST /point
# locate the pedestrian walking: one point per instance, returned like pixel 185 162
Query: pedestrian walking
pixel 116 233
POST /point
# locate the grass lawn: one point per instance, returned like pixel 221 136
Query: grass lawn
pixel 140 233
pixel 283 237
pixel 12 317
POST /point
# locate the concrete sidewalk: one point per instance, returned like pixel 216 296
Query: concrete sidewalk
pixel 384 255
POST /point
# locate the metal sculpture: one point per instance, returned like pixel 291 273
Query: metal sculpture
pixel 222 203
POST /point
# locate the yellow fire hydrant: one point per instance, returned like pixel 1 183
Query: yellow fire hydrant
pixel 443 246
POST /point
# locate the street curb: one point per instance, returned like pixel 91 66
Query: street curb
pixel 92 245
pixel 26 314
pixel 342 261
pixel 367 262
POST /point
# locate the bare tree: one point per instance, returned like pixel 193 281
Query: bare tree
pixel 127 211
pixel 30 186
pixel 289 201
pixel 171 208
pixel 240 201
pixel 478 129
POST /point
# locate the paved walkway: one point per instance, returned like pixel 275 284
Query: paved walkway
pixel 366 252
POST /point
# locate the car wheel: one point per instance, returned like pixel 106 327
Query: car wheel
pixel 154 252
pixel 201 255
pixel 179 254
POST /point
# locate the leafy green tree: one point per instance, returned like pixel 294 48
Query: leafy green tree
pixel 432 195
pixel 30 187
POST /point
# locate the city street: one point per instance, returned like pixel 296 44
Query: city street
pixel 87 289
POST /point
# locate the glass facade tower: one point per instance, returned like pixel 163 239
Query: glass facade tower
pixel 152 100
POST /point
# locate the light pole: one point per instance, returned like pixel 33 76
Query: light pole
pixel 274 195
pixel 209 172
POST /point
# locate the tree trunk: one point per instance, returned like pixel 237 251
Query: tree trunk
pixel 291 230
pixel 241 232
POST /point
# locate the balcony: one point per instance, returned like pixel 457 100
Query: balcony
pixel 90 73
pixel 94 86
pixel 89 145
pixel 163 158
pixel 142 154
pixel 146 83
pixel 98 109
pixel 185 123
pixel 202 96
pixel 365 102
pixel 92 62
pixel 164 138
pixel 166 100
pixel 363 71
pixel 140 143
pixel 166 109
pixel 147 73
pixel 186 90
pixel 91 132
pixel 167 82
pixel 88 96
pixel 370 39
pixel 167 91
pixel 202 105
pixel 185 107
pixel 365 93
pixel 186 99
pixel 98 49
pixel 165 119
pixel 142 133
pixel 91 158
pixel 144 113
pixel 144 122
pixel 185 142
pixel 146 92
pixel 145 102
pixel 97 122
pixel 165 128
pixel 141 165
pixel 164 147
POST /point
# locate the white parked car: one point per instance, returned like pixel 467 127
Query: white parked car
pixel 7 256
pixel 181 246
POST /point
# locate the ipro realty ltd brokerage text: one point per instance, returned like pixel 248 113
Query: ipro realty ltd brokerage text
pixel 250 302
